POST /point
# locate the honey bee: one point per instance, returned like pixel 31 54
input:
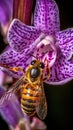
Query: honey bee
pixel 33 99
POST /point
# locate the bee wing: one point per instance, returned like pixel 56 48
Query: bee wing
pixel 8 95
pixel 41 109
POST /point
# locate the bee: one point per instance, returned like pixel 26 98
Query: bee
pixel 33 99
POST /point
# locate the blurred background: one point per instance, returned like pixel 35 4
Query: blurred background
pixel 59 98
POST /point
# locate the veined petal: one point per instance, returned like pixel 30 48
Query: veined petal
pixel 5 11
pixel 46 17
pixel 21 36
pixel 62 71
pixel 65 42
pixel 46 50
pixel 11 59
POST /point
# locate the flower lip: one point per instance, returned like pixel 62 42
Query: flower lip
pixel 46 49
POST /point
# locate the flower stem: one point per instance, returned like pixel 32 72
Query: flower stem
pixel 22 9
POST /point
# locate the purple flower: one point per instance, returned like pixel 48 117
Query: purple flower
pixel 5 11
pixel 11 111
pixel 44 40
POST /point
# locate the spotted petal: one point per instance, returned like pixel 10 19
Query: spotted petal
pixel 62 70
pixel 11 111
pixel 21 36
pixel 65 41
pixel 10 58
pixel 46 17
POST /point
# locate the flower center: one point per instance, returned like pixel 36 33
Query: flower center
pixel 46 49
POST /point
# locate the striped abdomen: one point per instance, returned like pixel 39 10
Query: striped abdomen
pixel 29 99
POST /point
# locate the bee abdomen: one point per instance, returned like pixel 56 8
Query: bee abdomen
pixel 28 103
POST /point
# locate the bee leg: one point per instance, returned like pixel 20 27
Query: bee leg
pixel 16 69
pixel 47 70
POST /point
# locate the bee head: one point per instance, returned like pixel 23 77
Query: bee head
pixel 36 68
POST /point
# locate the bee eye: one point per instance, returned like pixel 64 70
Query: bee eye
pixel 42 65
pixel 33 62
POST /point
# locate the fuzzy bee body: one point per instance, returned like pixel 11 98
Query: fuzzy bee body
pixel 29 100
pixel 32 95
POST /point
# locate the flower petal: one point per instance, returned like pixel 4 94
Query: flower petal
pixel 2 76
pixel 41 125
pixel 2 90
pixel 46 50
pixel 11 59
pixel 62 70
pixel 46 17
pixel 11 111
pixel 25 124
pixel 21 36
pixel 65 41
pixel 5 11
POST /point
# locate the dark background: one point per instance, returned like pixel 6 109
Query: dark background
pixel 59 98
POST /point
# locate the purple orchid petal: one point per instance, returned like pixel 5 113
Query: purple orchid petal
pixel 5 11
pixel 41 125
pixel 46 50
pixel 23 124
pixel 2 90
pixel 21 36
pixel 11 111
pixel 11 58
pixel 2 76
pixel 46 17
pixel 14 59
pixel 65 41
pixel 62 71
pixel 36 124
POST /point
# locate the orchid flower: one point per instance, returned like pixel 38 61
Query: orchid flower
pixel 44 40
